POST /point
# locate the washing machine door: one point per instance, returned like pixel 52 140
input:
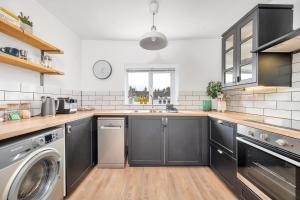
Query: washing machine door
pixel 37 177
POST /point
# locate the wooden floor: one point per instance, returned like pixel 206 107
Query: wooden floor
pixel 152 183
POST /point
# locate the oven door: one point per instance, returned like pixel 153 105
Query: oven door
pixel 269 172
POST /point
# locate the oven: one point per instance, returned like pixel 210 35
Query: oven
pixel 269 164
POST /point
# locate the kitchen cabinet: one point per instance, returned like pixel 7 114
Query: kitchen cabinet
pixel 146 142
pixel 222 139
pixel 223 133
pixel 168 140
pixel 241 67
pixel 184 141
pixel 78 152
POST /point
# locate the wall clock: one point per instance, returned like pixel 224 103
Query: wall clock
pixel 102 69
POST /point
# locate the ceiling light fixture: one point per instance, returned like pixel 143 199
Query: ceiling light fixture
pixel 153 40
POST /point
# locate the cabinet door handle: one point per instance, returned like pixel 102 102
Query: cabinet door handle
pixel 69 128
pixel 220 151
pixel 220 121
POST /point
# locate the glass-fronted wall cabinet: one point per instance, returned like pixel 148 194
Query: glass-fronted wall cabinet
pixel 241 67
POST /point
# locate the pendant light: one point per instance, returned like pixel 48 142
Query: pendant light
pixel 153 40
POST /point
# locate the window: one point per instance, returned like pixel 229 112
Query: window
pixel 144 84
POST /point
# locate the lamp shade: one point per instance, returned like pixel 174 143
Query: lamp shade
pixel 153 40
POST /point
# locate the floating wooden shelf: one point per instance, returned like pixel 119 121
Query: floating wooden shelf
pixel 288 43
pixel 27 37
pixel 18 62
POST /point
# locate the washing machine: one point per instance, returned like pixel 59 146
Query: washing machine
pixel 32 167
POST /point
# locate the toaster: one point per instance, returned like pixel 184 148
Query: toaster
pixel 66 106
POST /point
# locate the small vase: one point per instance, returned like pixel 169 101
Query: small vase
pixel 214 103
pixel 221 106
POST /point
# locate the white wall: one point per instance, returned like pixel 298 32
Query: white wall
pixel 199 62
pixel 51 30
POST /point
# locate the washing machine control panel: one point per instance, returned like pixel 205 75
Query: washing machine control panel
pixel 45 139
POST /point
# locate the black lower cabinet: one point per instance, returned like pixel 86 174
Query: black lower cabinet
pixel 225 166
pixel 79 157
pixel 168 141
pixel 145 141
pixel 184 141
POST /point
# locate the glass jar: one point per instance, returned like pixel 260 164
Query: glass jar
pixel 3 113
pixel 25 110
pixel 12 111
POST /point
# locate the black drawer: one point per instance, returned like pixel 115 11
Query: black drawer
pixel 223 133
pixel 224 165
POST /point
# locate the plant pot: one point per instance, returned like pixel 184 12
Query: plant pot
pixel 26 27
pixel 206 105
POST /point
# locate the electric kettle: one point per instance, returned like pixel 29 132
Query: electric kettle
pixel 49 106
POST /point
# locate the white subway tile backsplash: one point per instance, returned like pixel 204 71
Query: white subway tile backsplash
pixel 254 111
pixel 296 58
pixel 66 92
pixel 12 96
pixel 76 92
pixel 120 98
pixel 115 93
pixel 197 103
pixel 282 96
pixel 296 67
pixel 105 103
pixel 296 124
pixel 193 107
pixel 278 113
pixel 265 104
pixel 102 93
pixel 185 102
pixel 181 98
pixel 199 93
pixel 294 105
pixel 92 98
pixel 26 96
pixel 192 98
pixel 109 98
pixel 296 77
pixel 296 96
pixel 296 115
pixel 108 107
pixel 88 93
pixel 1 95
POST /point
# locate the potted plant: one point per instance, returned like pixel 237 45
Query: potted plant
pixel 214 90
pixel 26 24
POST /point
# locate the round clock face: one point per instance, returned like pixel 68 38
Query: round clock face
pixel 102 69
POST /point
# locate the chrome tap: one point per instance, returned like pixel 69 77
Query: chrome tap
pixel 152 105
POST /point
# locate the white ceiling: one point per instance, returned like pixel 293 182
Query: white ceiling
pixel 129 19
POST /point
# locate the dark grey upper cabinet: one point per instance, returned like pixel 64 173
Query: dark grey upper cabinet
pixel 241 67
pixel 184 141
pixel 145 141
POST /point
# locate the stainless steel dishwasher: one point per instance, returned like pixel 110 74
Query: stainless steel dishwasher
pixel 111 142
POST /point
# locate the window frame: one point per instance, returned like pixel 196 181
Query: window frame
pixel 150 69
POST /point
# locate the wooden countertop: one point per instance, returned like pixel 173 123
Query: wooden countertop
pixel 16 128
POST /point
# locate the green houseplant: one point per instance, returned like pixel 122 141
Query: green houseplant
pixel 26 23
pixel 213 90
